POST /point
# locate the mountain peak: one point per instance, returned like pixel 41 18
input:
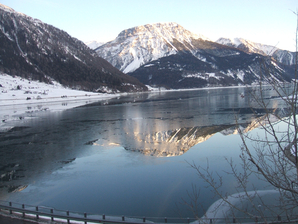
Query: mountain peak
pixel 139 45
pixel 6 8
pixel 166 29
pixel 10 10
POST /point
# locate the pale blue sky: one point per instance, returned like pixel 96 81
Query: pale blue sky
pixel 264 21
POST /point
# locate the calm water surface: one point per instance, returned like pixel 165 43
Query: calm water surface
pixel 126 156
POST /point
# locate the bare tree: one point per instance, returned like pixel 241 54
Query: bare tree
pixel 271 157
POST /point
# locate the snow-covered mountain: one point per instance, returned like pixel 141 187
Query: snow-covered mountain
pixel 32 49
pixel 167 55
pixel 248 46
pixel 139 45
pixel 161 55
pixel 282 56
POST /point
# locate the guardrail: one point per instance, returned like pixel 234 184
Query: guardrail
pixel 41 213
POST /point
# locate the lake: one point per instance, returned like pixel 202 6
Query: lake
pixel 129 155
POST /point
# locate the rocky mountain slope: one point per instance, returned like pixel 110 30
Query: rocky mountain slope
pixel 184 70
pixel 32 49
pixel 139 45
pixel 167 55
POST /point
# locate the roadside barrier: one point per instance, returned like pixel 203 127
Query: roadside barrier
pixel 41 213
pixel 37 213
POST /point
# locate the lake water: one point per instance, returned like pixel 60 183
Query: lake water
pixel 126 156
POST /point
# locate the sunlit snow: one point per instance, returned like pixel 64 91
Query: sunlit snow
pixel 140 45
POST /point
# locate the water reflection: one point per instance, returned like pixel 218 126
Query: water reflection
pixel 170 126
pixel 158 124
pixel 165 143
pixel 174 142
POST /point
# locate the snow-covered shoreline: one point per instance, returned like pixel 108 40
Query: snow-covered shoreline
pixel 16 90
pixel 19 98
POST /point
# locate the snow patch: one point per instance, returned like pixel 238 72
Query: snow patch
pixel 240 75
pixel 204 76
pixel 149 65
pixel 136 63
pixel 222 209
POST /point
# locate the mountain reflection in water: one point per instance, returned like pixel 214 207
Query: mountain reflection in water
pixel 149 135
pixel 38 153
pixel 168 143
pixel 175 142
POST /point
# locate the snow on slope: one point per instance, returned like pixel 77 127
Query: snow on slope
pixel 139 45
pixel 20 99
pixel 94 44
pixel 251 46
pixel 282 56
pixel 249 201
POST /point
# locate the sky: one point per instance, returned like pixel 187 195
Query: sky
pixel 270 22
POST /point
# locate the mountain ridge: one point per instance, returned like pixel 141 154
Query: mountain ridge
pixel 161 54
pixel 283 56
pixel 129 64
pixel 177 58
pixel 32 49
pixel 249 46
